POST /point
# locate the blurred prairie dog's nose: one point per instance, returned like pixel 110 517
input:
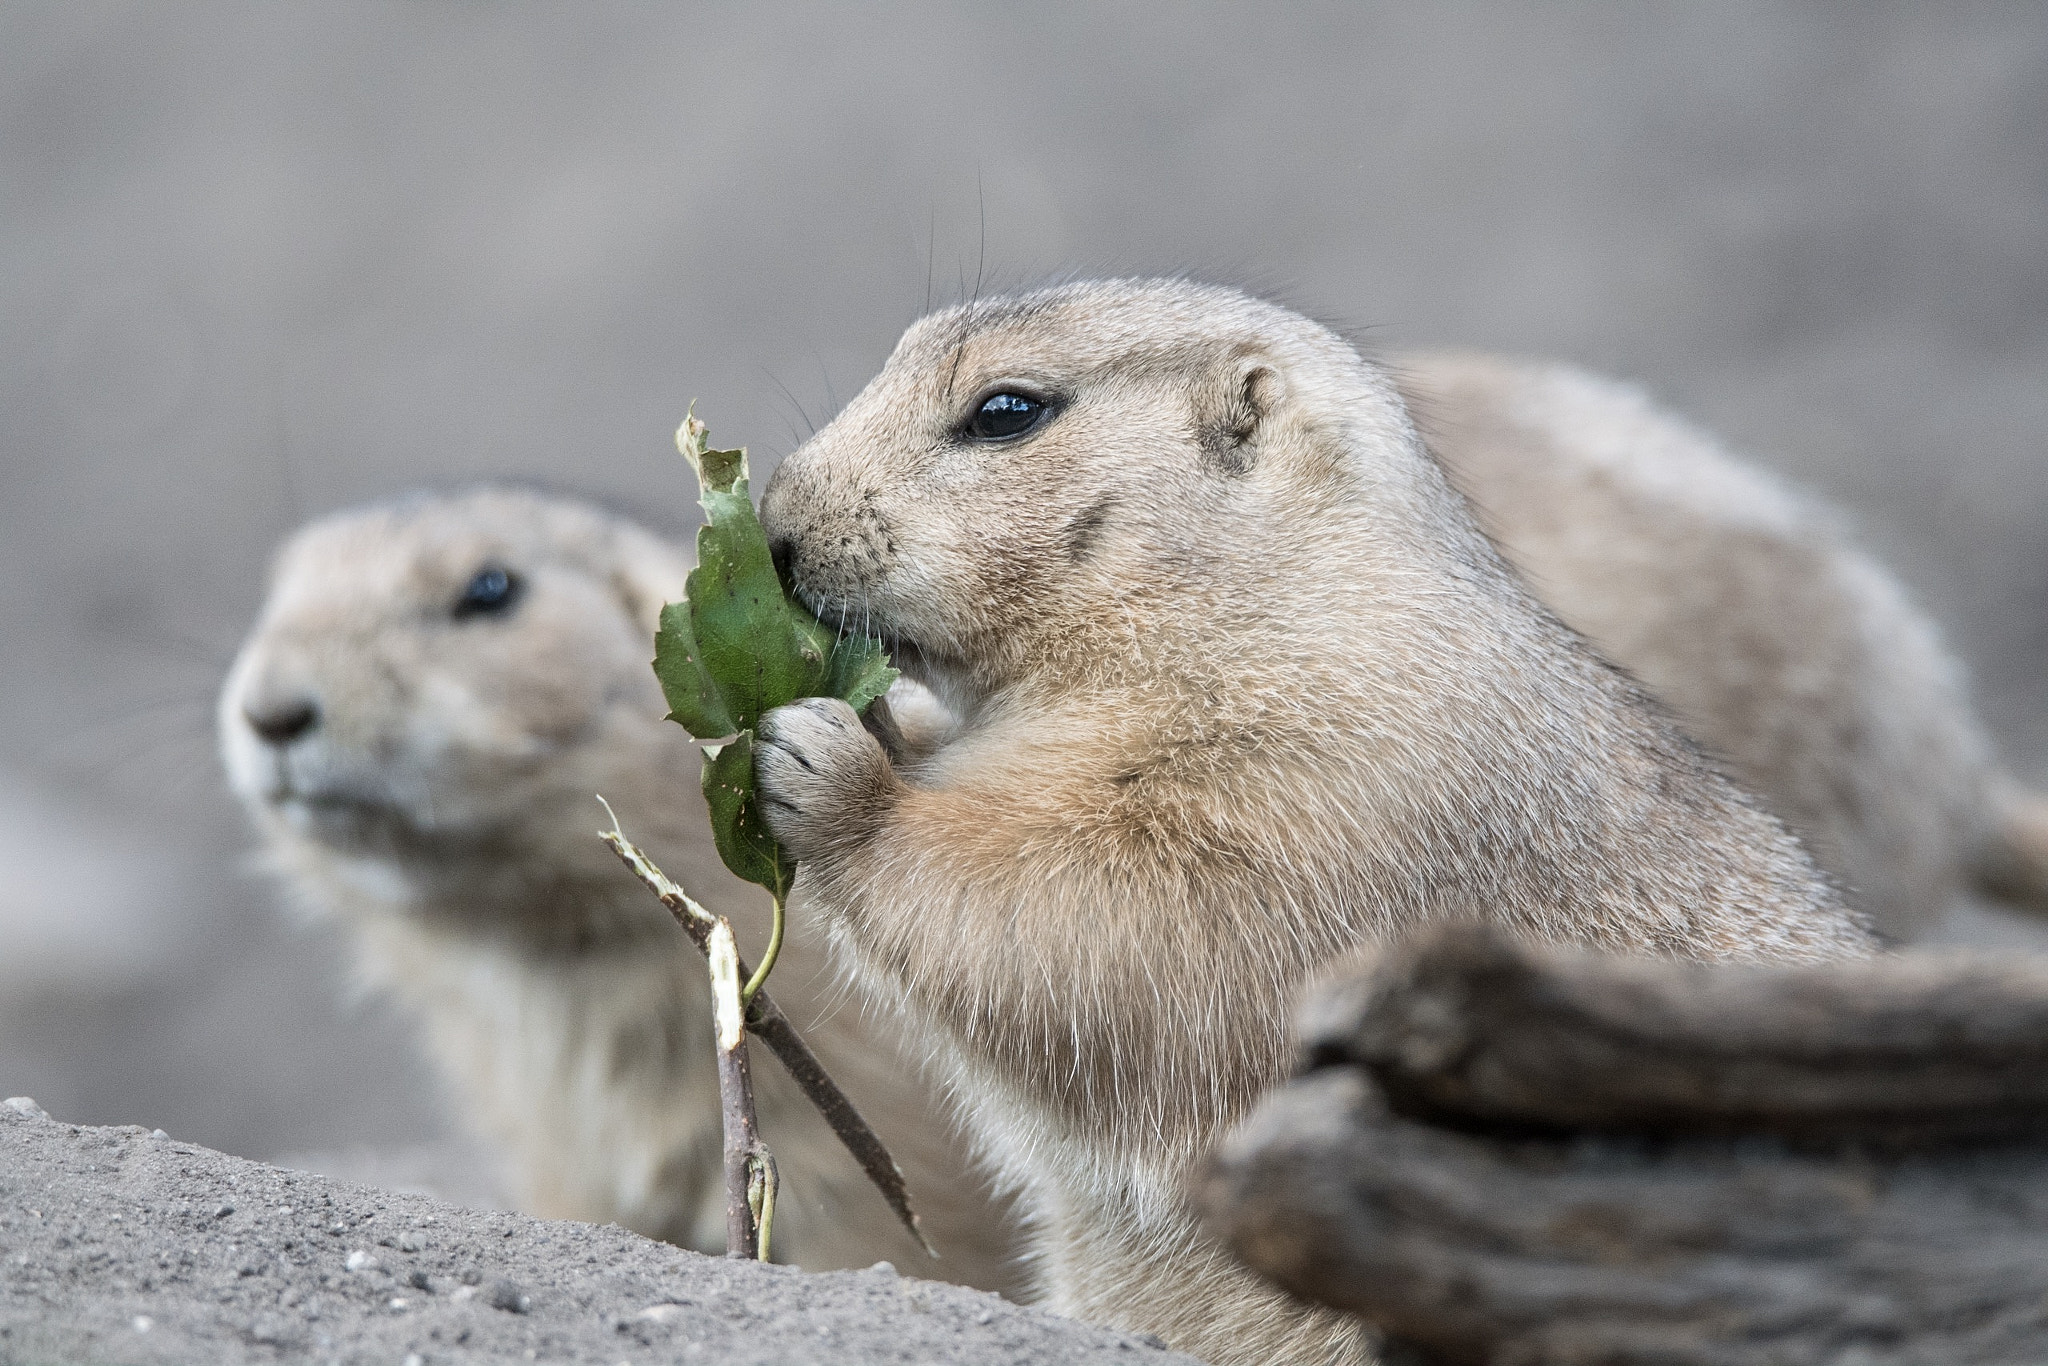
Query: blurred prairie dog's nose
pixel 280 718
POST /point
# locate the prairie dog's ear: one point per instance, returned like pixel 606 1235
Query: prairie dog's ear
pixel 1233 413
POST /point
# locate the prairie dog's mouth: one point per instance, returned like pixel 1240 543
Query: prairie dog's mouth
pixel 335 810
pixel 926 662
pixel 339 801
pixel 342 822
pixel 335 801
pixel 846 620
pixel 905 652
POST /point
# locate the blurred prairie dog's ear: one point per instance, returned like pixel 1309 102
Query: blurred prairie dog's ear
pixel 1235 412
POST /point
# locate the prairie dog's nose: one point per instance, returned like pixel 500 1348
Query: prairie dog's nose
pixel 790 519
pixel 281 719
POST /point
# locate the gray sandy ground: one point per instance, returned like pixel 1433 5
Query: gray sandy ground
pixel 124 1245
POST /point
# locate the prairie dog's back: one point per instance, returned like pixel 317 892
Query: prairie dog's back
pixel 1740 604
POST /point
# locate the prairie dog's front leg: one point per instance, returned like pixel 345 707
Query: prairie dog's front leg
pixel 825 785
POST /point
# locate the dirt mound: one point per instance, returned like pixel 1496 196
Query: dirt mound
pixel 125 1245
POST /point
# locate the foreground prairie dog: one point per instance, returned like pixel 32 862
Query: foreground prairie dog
pixel 418 722
pixel 1242 688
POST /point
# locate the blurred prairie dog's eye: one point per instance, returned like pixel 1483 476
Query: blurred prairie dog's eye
pixel 1002 416
pixel 491 591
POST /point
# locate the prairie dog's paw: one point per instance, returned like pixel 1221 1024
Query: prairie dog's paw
pixel 823 780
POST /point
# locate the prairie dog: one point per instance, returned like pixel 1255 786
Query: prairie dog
pixel 1242 688
pixel 1743 607
pixel 418 722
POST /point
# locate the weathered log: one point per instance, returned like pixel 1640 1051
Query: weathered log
pixel 1469 1249
pixel 1502 1155
pixel 1468 1028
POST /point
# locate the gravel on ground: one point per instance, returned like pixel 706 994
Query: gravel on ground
pixel 123 1245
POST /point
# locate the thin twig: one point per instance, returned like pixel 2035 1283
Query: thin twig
pixel 767 1022
pixel 735 1097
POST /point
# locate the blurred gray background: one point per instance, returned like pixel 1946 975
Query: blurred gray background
pixel 265 260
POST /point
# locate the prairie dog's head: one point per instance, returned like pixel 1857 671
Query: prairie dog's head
pixel 442 682
pixel 1027 472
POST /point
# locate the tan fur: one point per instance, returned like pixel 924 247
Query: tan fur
pixel 1242 687
pixel 1743 607
pixel 441 807
pixel 2013 862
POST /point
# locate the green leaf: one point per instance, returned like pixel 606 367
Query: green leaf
pixel 859 671
pixel 762 649
pixel 692 696
pixel 717 471
pixel 741 645
pixel 743 841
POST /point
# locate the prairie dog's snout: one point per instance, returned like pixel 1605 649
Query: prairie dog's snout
pixel 833 542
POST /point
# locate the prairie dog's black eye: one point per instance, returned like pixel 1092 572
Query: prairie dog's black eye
pixel 491 591
pixel 1002 416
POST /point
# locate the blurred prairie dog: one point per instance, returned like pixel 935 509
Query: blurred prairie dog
pixel 418 721
pixel 1741 605
pixel 1242 688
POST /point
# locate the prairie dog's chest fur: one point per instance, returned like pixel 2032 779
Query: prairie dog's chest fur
pixel 574 1068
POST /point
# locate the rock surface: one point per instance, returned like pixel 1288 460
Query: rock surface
pixel 123 1245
